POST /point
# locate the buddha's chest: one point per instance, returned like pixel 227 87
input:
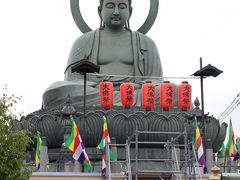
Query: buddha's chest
pixel 116 49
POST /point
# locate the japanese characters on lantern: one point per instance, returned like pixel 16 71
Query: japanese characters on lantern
pixel 184 95
pixel 127 94
pixel 148 95
pixel 106 94
pixel 166 95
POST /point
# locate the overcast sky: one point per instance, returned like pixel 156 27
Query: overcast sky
pixel 36 37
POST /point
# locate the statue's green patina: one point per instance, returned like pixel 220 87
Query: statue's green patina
pixel 116 49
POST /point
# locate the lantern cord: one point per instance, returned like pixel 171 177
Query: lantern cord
pixel 143 77
pixel 235 103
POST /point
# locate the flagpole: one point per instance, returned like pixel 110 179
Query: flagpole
pixel 202 104
pixel 82 168
pixel 194 152
pixel 108 162
pixel 230 164
pixel 75 144
pixel 224 163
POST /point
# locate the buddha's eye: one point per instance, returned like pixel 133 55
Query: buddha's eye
pixel 122 6
pixel 110 5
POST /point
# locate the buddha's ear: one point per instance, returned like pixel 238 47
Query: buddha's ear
pixel 99 12
pixel 130 12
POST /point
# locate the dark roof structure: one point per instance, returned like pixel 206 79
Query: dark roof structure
pixel 208 70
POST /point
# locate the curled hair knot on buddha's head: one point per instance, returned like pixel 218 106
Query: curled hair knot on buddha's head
pixel 101 3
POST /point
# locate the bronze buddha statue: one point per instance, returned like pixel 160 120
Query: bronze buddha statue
pixel 116 49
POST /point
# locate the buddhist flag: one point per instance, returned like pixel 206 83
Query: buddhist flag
pixel 38 150
pixel 223 150
pixel 103 146
pixel 231 141
pixel 75 145
pixel 199 146
pixel 237 150
pixel 238 145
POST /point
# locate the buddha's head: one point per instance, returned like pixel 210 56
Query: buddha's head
pixel 115 14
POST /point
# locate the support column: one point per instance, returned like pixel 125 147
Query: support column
pixel 209 159
pixel 77 166
pixel 114 166
pixel 228 164
pixel 220 161
pixel 68 166
pixel 176 157
pixel 44 161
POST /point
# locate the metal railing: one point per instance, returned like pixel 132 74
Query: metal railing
pixel 134 139
pixel 180 168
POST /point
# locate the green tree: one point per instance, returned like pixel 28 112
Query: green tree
pixel 13 144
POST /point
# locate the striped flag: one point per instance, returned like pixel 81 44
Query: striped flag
pixel 238 145
pixel 102 146
pixel 75 145
pixel 231 141
pixel 237 150
pixel 223 150
pixel 237 155
pixel 38 150
pixel 199 146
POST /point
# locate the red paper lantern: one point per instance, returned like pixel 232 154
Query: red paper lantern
pixel 127 94
pixel 184 95
pixel 106 94
pixel 166 95
pixel 148 95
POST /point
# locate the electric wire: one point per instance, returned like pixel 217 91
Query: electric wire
pixel 143 77
pixel 234 104
pixel 223 113
pixel 230 109
pixel 237 104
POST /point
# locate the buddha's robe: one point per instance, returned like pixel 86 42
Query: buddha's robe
pixel 146 63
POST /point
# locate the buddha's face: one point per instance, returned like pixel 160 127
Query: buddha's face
pixel 115 13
